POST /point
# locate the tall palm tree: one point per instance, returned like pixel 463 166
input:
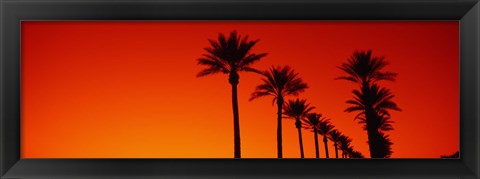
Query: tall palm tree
pixel 324 128
pixel 373 105
pixel 230 56
pixel 344 144
pixel 334 136
pixel 279 82
pixel 311 122
pixel 364 69
pixel 298 109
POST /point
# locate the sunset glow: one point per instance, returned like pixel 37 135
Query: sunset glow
pixel 128 89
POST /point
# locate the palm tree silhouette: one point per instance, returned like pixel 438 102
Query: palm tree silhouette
pixel 324 128
pixel 364 69
pixel 279 82
pixel 297 109
pixel 344 144
pixel 352 153
pixel 334 136
pixel 376 101
pixel 312 122
pixel 230 56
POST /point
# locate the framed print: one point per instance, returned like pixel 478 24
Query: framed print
pixel 301 89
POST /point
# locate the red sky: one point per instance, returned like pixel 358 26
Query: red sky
pixel 128 89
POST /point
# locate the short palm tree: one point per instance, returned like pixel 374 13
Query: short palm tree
pixel 311 122
pixel 279 82
pixel 355 154
pixel 324 128
pixel 334 136
pixel 344 144
pixel 230 56
pixel 297 109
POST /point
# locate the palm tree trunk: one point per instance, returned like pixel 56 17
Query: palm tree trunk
pixel 279 127
pixel 373 134
pixel 371 142
pixel 317 153
pixel 325 141
pixel 370 117
pixel 233 79
pixel 298 124
pixel 336 149
pixel 376 146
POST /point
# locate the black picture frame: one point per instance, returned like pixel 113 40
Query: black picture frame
pixel 12 12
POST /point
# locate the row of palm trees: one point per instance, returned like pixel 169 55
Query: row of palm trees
pixel 231 55
pixel 300 111
pixel 280 82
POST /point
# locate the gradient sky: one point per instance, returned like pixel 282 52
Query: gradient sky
pixel 128 89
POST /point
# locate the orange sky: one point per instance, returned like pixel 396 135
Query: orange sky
pixel 128 89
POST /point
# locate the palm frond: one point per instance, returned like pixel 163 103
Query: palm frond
pixel 377 98
pixel 279 82
pixel 297 109
pixel 362 67
pixel 385 145
pixel 251 58
pixel 229 54
pixel 208 71
pixel 344 142
pixel 325 126
pixel 312 120
pixel 334 135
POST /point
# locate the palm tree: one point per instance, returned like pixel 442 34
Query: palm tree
pixel 344 144
pixel 364 69
pixel 324 128
pixel 372 105
pixel 312 122
pixel 230 56
pixel 297 109
pixel 334 136
pixel 279 82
